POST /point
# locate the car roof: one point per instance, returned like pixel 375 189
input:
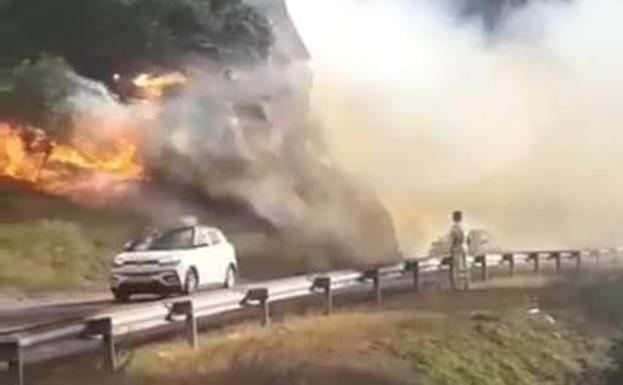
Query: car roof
pixel 208 228
pixel 199 227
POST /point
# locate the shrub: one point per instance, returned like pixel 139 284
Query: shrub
pixel 47 253
pixel 614 374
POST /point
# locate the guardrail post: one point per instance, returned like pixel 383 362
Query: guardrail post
pixel 614 255
pixel 104 327
pixel 535 257
pixel 265 312
pixel 324 284
pixel 187 309
pixel 375 277
pixel 577 255
pixel 557 257
pixel 259 297
pixel 484 272
pixel 595 253
pixel 11 353
pixel 510 258
pixel 414 268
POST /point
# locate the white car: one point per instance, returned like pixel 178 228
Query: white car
pixel 178 261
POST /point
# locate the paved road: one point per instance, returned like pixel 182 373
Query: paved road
pixel 32 314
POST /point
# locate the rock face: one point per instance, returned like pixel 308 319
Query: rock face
pixel 237 147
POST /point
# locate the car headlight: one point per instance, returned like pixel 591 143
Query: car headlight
pixel 117 261
pixel 170 260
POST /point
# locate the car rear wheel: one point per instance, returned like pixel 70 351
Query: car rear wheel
pixel 230 278
pixel 191 283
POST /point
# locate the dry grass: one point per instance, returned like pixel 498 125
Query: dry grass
pixel 483 337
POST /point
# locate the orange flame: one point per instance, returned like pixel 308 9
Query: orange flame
pixel 153 86
pixel 33 157
pixel 84 164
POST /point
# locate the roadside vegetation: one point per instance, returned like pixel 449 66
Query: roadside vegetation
pixel 501 336
pixel 51 243
pixel 603 300
pixel 613 375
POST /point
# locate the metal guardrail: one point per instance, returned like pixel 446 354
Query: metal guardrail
pixel 106 330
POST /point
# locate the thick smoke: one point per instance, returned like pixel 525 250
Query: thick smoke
pixel 516 123
pixel 246 135
pixel 220 134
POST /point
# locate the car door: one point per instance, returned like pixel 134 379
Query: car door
pixel 230 252
pixel 219 254
pixel 202 256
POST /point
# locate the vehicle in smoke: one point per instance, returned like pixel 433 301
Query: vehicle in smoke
pixel 181 260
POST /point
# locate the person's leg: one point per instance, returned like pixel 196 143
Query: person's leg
pixel 466 271
pixel 453 272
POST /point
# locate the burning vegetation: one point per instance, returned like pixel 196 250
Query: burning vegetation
pixel 153 86
pixel 30 155
pixel 52 141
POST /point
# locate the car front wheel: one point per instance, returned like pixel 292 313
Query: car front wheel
pixel 230 278
pixel 191 283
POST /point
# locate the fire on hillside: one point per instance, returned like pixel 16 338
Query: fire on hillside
pixel 153 86
pixel 30 155
pixel 82 164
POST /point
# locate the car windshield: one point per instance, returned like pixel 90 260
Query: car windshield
pixel 172 240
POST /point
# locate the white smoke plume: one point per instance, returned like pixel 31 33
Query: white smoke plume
pixel 519 127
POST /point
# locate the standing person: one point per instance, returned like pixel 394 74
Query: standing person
pixel 459 269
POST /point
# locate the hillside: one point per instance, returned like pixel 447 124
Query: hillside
pixel 49 242
pixel 518 333
pixel 55 242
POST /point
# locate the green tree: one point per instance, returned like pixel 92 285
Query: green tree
pixel 40 94
pixel 103 37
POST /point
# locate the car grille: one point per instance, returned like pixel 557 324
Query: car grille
pixel 139 274
pixel 141 263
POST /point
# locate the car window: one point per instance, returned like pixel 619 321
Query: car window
pixel 202 239
pixel 215 238
pixel 172 240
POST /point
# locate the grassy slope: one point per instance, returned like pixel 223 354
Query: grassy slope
pixel 485 337
pixel 50 242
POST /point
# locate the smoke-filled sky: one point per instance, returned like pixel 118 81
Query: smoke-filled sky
pixel 519 127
